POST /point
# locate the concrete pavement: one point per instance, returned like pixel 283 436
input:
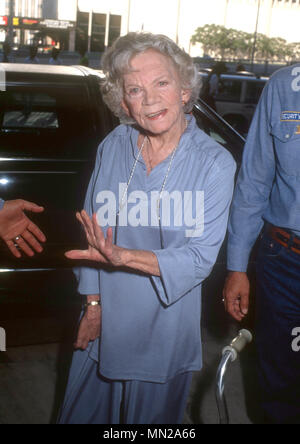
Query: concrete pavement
pixel 32 381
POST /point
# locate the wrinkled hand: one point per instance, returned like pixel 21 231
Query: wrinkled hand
pixel 101 248
pixel 236 294
pixel 89 328
pixel 14 222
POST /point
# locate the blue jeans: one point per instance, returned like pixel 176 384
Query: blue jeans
pixel 277 316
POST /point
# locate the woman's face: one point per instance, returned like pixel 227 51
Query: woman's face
pixel 153 96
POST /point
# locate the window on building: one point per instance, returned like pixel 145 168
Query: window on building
pixel 98 30
pixel 83 20
pixel 114 28
pixel 98 33
pixel 82 31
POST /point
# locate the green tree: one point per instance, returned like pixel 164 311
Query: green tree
pixel 264 47
pixel 214 38
pixel 294 51
pixel 221 42
pixel 282 50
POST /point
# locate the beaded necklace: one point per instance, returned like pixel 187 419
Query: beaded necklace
pixel 121 206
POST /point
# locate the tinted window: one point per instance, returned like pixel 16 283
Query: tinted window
pixel 230 90
pixel 51 121
pixel 30 110
pixel 220 132
pixel 253 91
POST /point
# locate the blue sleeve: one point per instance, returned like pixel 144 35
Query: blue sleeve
pixel 1 203
pixel 88 277
pixel 183 268
pixel 254 184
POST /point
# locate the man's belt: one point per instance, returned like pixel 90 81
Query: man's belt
pixel 285 238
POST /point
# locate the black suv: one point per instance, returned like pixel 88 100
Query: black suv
pixel 52 119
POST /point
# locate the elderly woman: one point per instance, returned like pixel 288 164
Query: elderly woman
pixel 159 199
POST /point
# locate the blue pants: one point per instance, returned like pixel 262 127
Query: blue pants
pixel 92 399
pixel 277 315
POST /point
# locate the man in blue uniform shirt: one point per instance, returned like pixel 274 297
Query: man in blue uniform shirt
pixel 267 200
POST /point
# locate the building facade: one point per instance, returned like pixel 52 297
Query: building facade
pixel 91 25
pixel 38 22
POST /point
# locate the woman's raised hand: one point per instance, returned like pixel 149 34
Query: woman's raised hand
pixel 101 248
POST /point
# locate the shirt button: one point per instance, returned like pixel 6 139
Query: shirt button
pixel 287 136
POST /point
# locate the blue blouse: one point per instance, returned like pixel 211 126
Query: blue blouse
pixel 150 324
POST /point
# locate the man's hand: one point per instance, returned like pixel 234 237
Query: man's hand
pixel 236 294
pixel 17 230
pixel 89 328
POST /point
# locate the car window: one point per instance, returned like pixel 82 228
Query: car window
pixel 30 110
pixel 253 91
pixel 229 90
pixel 45 121
pixel 220 132
pixel 211 130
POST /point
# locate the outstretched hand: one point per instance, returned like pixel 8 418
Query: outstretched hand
pixel 17 230
pixel 100 248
